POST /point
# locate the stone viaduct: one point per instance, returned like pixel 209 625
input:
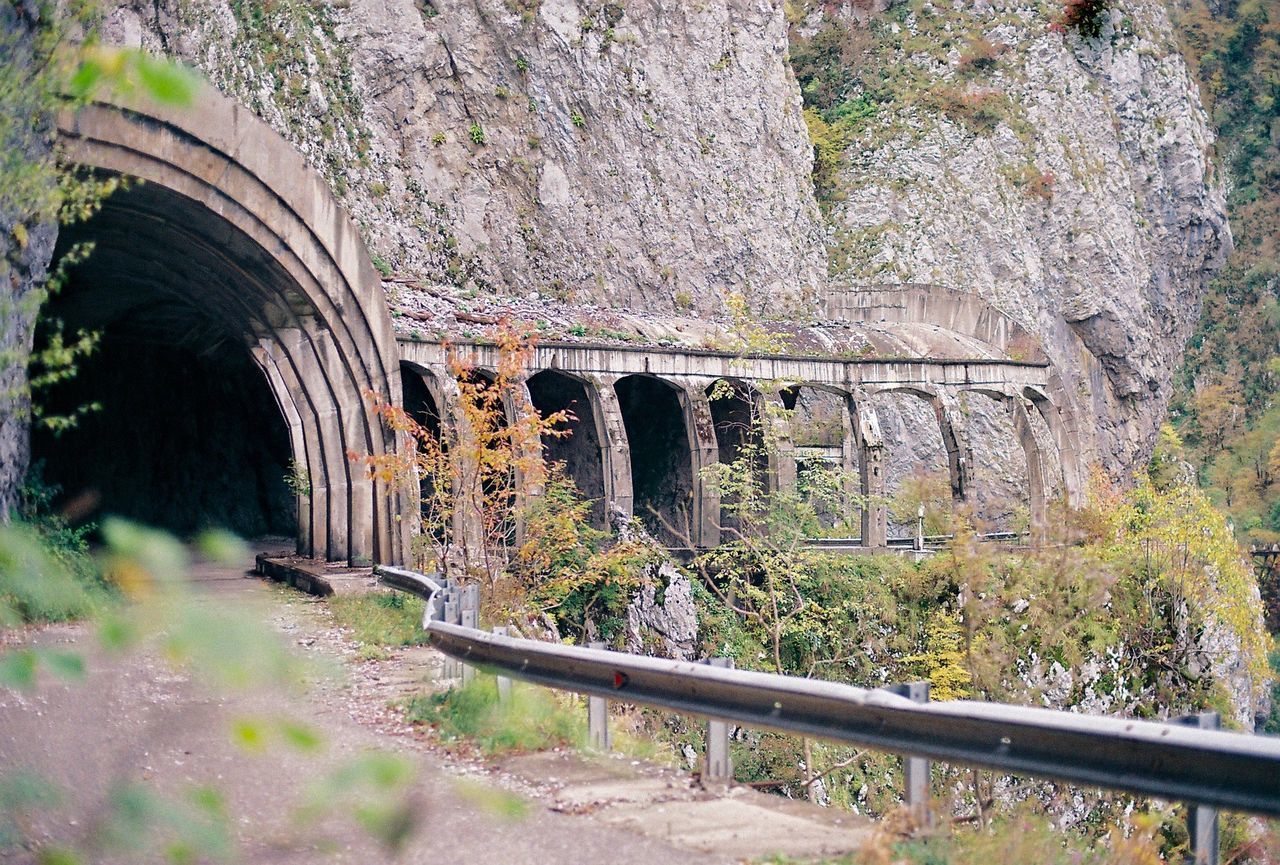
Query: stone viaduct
pixel 231 222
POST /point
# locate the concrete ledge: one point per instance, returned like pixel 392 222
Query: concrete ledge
pixel 314 577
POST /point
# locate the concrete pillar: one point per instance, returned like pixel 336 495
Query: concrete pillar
pixel 468 492
pixel 616 451
pixel 529 469
pixel 850 459
pixel 1036 496
pixel 704 508
pixel 955 437
pixel 871 469
pixel 1066 439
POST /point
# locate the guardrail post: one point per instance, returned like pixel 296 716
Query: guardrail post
pixel 1202 820
pixel 915 769
pixel 504 684
pixel 598 717
pixel 470 618
pixel 719 766
pixel 452 616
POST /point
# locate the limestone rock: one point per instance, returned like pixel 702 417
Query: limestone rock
pixel 1091 212
pixel 650 155
pixel 663 619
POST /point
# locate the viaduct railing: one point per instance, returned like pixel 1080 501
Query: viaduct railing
pixel 1186 760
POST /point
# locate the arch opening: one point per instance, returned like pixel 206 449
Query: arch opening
pixel 420 404
pixel 917 469
pixel 999 496
pixel 581 451
pixel 661 456
pixel 190 434
pixel 826 453
pixel 737 420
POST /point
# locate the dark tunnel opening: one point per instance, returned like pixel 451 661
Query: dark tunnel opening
pixel 189 435
pixel 661 461
pixel 421 406
pixel 581 450
pixel 183 441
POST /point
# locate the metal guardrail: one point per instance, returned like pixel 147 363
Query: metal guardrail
pixel 1166 761
pixel 908 542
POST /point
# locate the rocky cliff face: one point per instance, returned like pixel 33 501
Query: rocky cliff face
pixel 1065 179
pixel 653 156
pixel 648 155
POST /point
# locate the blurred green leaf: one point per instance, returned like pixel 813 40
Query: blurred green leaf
pixel 18 669
pixel 68 665
pixel 300 736
pixel 500 803
pixel 165 80
pixel 116 632
pixel 161 555
pixel 58 856
pixel 391 823
pixel 34 586
pixel 86 78
pixel 248 734
pixel 223 547
pixel 374 789
pixel 209 800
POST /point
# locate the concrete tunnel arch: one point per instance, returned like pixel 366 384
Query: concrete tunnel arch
pixel 231 221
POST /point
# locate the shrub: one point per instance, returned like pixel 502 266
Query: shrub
pixel 981 56
pixel 477 133
pixel 1086 17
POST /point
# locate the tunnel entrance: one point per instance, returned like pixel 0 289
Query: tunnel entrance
pixel 661 459
pixel 190 434
pixel 581 451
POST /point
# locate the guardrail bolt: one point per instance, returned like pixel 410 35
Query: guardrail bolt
pixel 504 684
pixel 598 717
pixel 916 769
pixel 1202 820
pixel 719 765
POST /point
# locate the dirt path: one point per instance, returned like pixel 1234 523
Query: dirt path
pixel 135 718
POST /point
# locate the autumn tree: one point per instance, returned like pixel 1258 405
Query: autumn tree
pixel 481 463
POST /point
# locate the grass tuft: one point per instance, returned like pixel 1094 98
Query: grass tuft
pixel 534 719
pixel 380 620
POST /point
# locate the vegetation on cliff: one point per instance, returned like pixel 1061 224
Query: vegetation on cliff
pixel 1226 407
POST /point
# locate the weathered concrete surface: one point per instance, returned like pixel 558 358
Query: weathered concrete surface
pixel 234 220
pixel 135 718
pixel 314 577
pixel 1002 444
pixel 665 805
